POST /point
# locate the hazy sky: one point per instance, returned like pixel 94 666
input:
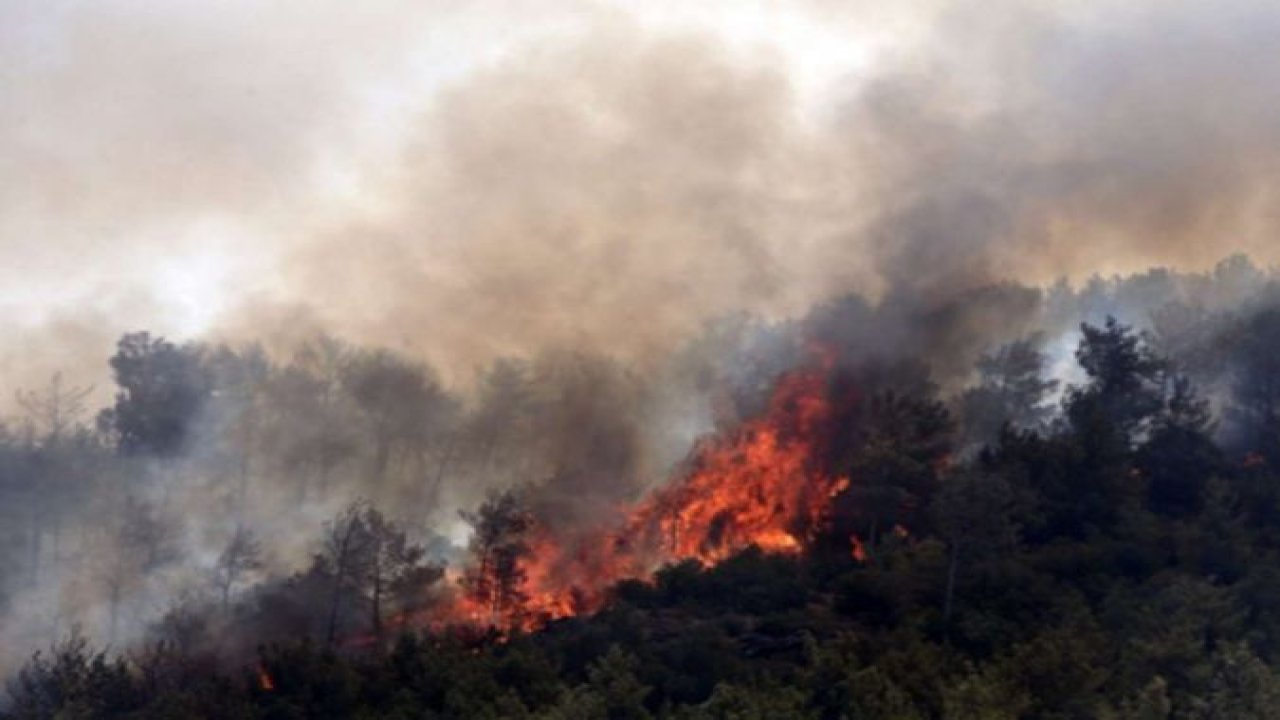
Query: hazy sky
pixel 465 179
pixel 168 153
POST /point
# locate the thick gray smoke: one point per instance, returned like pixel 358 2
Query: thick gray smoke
pixel 617 189
pixel 440 181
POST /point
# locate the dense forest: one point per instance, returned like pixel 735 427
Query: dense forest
pixel 1038 503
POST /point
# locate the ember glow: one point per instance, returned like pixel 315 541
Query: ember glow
pixel 264 680
pixel 857 550
pixel 764 484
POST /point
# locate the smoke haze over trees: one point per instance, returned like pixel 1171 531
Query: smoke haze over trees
pixel 230 500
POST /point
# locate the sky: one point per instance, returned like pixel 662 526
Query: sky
pixel 464 180
pixel 160 153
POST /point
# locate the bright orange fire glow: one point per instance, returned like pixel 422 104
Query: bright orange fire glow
pixel 856 549
pixel 762 485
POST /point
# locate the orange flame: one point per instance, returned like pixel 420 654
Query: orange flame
pixel 762 485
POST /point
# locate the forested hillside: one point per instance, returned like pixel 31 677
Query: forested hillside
pixel 1094 535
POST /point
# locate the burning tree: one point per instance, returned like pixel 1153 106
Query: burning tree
pixel 763 485
pixel 394 569
pixel 766 484
pixel 494 585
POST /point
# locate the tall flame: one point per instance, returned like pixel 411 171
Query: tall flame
pixel 760 486
pixel 763 484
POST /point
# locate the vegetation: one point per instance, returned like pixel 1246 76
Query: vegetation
pixel 1112 551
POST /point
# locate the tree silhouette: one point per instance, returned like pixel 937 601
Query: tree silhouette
pixel 1011 389
pixel 1126 382
pixel 162 387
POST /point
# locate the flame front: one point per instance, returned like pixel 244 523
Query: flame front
pixel 763 484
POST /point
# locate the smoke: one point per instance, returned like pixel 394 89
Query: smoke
pixel 434 180
pixel 1064 146
pixel 611 194
pixel 616 187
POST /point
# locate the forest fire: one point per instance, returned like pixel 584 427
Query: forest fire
pixel 764 484
pixel 761 486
